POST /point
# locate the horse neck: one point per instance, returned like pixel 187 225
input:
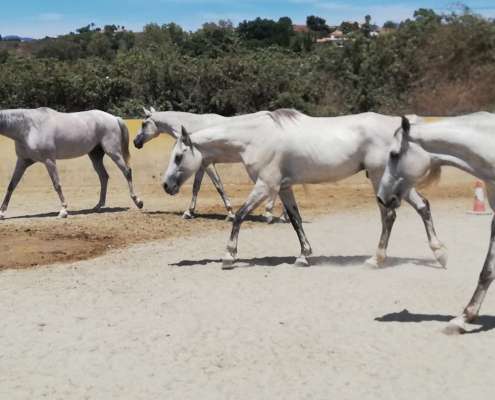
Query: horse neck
pixel 219 142
pixel 196 122
pixel 445 145
pixel 171 122
pixel 12 124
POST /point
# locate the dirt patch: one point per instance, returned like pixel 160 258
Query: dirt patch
pixel 42 239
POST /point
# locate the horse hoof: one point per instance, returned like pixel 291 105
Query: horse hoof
pixel 230 217
pixel 139 204
pixel 268 218
pixel 302 261
pixel 375 262
pixel 63 214
pixel 2 216
pixel 188 215
pixel 455 327
pixel 441 256
pixel 228 261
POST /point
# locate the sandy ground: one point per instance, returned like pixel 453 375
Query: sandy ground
pixel 136 305
pixel 162 320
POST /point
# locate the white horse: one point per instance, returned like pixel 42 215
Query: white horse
pixel 44 135
pixel 283 148
pixel 170 122
pixel 466 142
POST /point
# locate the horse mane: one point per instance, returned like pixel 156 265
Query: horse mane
pixel 284 114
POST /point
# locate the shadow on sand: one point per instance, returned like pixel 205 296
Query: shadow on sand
pixel 330 261
pixel 483 323
pixel 105 210
pixel 214 216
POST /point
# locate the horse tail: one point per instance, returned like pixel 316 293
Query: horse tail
pixel 125 140
pixel 431 178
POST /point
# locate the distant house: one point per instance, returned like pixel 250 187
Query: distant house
pixel 300 28
pixel 337 37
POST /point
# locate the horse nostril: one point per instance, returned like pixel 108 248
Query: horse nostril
pixel 165 186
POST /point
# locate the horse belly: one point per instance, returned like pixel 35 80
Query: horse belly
pixel 317 171
pixel 73 146
pixel 323 166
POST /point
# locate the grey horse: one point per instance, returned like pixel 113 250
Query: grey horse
pixel 45 135
pixel 171 123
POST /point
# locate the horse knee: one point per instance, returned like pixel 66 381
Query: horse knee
pixel 390 216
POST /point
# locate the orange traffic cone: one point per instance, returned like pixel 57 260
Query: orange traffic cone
pixel 479 199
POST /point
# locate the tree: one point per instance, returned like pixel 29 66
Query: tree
pixel 427 15
pixel 390 25
pixel 318 25
pixel 348 27
pixel 266 32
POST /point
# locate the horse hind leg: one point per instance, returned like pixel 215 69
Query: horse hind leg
pixel 20 168
pixel 290 205
pixel 96 157
pixel 51 167
pixel 118 159
pixel 270 204
pixel 422 206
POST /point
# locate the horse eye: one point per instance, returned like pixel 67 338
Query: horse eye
pixel 178 158
pixel 394 155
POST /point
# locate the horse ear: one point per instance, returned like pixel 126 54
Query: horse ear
pixel 406 126
pixel 152 110
pixel 186 138
pixel 147 113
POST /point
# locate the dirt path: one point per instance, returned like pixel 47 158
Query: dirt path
pixel 162 320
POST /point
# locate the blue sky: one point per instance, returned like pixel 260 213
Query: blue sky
pixel 38 18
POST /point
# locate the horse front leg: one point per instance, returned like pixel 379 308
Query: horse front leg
pixel 215 178
pixel 20 167
pixel 51 166
pixel 388 216
pixel 260 192
pixel 290 205
pixel 422 206
pixel 470 313
pixel 198 178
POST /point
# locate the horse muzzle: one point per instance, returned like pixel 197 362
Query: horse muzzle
pixel 392 202
pixel 138 143
pixel 171 189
